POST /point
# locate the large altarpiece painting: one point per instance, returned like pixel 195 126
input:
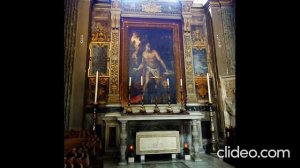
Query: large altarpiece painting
pixel 151 56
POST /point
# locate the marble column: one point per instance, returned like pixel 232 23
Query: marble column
pixel 123 145
pixel 199 127
pixel 195 134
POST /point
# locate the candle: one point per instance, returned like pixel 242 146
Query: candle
pixel 129 81
pixel 180 82
pixel 186 149
pixel 131 147
pixel 141 80
pixel 96 88
pixel 168 82
pixel 131 150
pixel 208 87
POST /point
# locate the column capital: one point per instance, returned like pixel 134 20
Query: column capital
pixel 123 122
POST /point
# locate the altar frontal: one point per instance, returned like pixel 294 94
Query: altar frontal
pixel 157 142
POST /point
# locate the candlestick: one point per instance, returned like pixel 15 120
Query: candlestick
pixel 141 80
pixel 96 88
pixel 169 109
pixel 142 109
pixel 129 109
pixel 182 109
pixel 129 81
pixel 214 146
pixel 208 88
pixel 156 109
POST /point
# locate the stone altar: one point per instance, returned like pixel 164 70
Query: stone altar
pixel 196 133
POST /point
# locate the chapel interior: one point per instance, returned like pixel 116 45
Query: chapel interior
pixel 148 83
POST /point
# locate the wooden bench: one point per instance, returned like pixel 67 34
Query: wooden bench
pixel 71 143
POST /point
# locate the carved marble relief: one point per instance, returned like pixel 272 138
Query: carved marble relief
pixel 115 20
pixel 199 35
pixel 228 99
pixel 186 7
pixel 116 4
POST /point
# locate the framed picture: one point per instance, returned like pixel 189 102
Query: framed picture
pixel 99 59
pixel 200 60
pixel 201 88
pixel 151 58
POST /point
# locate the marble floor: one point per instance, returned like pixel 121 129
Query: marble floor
pixel 207 162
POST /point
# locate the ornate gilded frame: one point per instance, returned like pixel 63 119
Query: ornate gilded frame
pixel 92 60
pixel 177 48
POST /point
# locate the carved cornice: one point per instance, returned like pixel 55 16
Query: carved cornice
pixel 219 3
pixel 151 9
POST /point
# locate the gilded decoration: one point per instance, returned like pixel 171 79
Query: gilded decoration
pixel 189 68
pixel 100 23
pixel 114 67
pixel 102 94
pixel 100 31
